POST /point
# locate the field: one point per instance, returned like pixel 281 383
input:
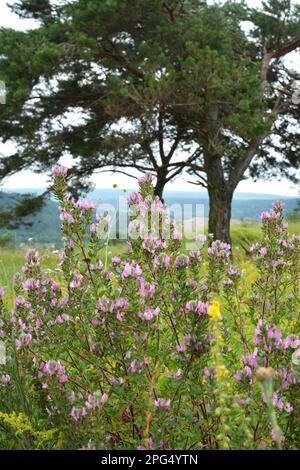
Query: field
pixel 243 235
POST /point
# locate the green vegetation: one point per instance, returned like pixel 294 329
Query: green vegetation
pixel 243 235
pixel 160 348
pixel 153 343
pixel 186 88
pixel 12 260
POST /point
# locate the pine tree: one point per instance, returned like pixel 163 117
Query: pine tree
pixel 160 86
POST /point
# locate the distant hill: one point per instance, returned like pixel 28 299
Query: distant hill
pixel 245 206
pixel 44 227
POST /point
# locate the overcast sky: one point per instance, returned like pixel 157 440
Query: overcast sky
pixel 106 180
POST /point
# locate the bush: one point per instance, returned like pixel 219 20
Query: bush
pixel 6 238
pixel 163 351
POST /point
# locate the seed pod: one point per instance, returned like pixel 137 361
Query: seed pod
pixel 264 373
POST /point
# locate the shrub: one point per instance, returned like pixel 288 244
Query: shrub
pixel 6 238
pixel 163 350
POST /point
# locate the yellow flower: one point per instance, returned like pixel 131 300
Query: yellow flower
pixel 19 422
pixel 221 371
pixel 214 310
pixel 294 323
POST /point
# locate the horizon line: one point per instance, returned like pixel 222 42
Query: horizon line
pixel 126 190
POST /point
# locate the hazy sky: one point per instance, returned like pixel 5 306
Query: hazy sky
pixel 106 180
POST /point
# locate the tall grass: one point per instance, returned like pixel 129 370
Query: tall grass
pixel 12 260
pixel 243 234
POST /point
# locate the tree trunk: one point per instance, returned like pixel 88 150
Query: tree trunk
pixel 220 199
pixel 159 187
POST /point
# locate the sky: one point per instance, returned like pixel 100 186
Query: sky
pixel 27 179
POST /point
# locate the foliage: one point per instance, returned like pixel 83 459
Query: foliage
pixel 295 215
pixel 163 350
pixel 5 238
pixel 156 86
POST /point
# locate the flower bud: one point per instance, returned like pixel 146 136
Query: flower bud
pixel 264 373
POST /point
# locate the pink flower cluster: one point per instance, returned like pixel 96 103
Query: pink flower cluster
pixel 102 344
pixel 94 401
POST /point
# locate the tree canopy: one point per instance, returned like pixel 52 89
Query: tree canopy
pixel 160 86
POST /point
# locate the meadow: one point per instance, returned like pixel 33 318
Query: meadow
pixel 243 235
pixel 151 346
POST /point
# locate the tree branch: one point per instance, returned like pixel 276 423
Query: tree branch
pixel 286 49
pixel 117 171
pixel 120 58
pixel 174 147
pixel 268 56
